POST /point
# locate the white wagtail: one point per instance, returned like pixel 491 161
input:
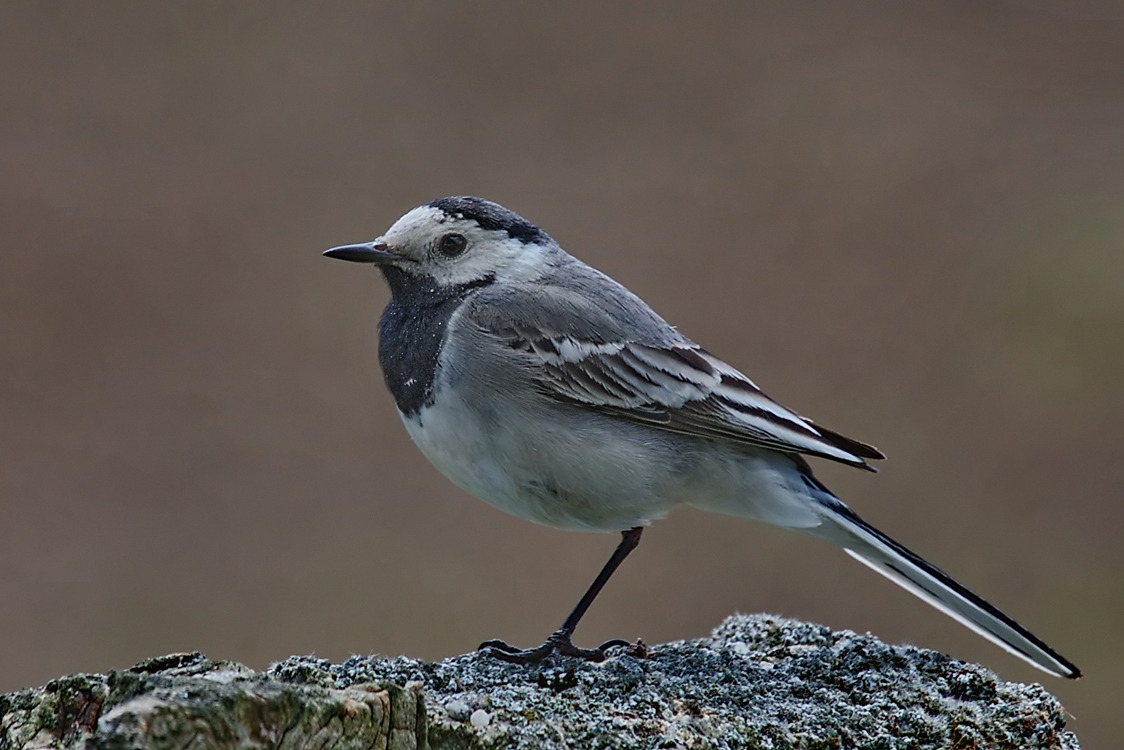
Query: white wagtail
pixel 550 391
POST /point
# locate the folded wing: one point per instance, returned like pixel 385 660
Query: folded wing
pixel 681 388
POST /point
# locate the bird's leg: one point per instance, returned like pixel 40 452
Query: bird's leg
pixel 560 641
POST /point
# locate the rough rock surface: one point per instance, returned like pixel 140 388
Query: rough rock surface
pixel 189 701
pixel 758 681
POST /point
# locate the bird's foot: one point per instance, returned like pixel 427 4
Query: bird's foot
pixel 558 644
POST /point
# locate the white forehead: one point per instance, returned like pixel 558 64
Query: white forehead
pixel 422 224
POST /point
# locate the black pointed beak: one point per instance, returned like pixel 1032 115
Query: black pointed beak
pixel 368 252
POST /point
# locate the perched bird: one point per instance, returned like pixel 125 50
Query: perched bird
pixel 545 388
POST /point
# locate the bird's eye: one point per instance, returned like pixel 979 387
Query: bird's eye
pixel 452 244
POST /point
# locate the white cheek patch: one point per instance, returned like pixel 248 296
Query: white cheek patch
pixel 525 262
pixel 506 260
pixel 490 252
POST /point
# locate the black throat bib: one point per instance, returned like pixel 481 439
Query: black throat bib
pixel 412 331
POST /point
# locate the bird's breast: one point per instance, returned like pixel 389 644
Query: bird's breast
pixel 412 334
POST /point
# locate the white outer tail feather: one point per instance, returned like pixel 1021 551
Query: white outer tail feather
pixel 934 602
pixel 887 557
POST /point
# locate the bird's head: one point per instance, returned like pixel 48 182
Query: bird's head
pixel 459 240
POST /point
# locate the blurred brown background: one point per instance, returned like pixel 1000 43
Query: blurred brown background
pixel 904 221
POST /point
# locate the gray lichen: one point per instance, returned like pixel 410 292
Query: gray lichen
pixel 757 682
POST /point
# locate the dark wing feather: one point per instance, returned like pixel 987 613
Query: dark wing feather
pixel 681 388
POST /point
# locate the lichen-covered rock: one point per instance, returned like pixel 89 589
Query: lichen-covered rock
pixel 188 701
pixel 757 682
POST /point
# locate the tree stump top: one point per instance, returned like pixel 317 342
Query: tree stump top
pixel 758 681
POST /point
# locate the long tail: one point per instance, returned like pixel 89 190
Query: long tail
pixel 871 547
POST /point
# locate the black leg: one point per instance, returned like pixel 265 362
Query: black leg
pixel 560 642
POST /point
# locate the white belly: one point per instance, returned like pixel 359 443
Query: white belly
pixel 558 474
pixel 596 473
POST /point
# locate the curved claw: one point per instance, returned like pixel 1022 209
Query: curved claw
pixel 498 645
pixel 614 643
